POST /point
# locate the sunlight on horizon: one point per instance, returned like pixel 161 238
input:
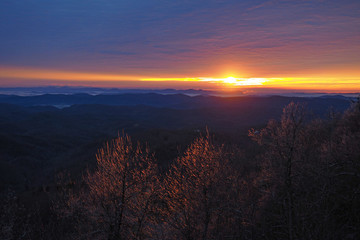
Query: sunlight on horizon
pixel 229 81
pixel 23 75
pixel 232 81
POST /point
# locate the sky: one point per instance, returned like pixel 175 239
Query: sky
pixel 302 45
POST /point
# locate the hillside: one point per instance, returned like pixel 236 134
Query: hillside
pixel 38 139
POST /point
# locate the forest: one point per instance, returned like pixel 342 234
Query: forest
pixel 179 120
pixel 297 177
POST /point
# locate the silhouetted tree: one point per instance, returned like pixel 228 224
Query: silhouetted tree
pixel 197 191
pixel 283 141
pixel 118 203
pixel 341 158
pixel 15 220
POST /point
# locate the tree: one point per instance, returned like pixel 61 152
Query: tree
pixel 341 156
pixel 118 203
pixel 197 191
pixel 284 146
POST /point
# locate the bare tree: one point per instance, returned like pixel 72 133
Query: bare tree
pixel 15 220
pixel 197 190
pixel 284 141
pixel 118 203
pixel 341 157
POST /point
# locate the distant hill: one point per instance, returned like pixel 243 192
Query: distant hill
pixel 33 91
pixel 177 101
pixel 38 139
pixel 68 90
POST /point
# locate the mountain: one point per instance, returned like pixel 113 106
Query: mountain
pixel 37 139
pixel 33 91
pixel 178 101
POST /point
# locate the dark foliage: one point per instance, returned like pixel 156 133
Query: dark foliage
pixel 302 180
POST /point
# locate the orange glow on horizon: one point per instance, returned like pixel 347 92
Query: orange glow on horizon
pixel 28 73
pixel 232 81
pixel 324 83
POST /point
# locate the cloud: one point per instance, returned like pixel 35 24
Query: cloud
pixel 183 37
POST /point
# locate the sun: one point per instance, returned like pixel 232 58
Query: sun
pixel 227 82
pixel 242 81
pixel 230 80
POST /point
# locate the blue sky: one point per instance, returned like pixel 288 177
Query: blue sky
pixel 182 38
